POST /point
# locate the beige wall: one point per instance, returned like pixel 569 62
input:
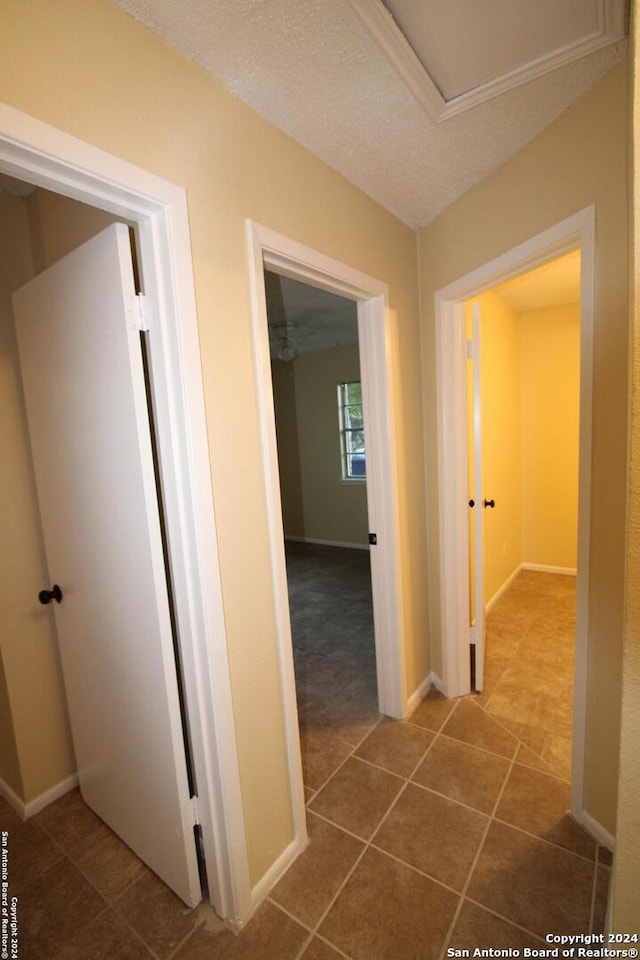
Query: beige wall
pixel 75 65
pixel 627 859
pixel 32 691
pixel 577 161
pixel 58 225
pixel 331 509
pixel 550 435
pixel 284 403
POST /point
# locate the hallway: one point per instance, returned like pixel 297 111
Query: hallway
pixel 448 830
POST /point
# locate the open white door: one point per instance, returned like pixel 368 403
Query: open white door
pixel 83 377
pixel 476 495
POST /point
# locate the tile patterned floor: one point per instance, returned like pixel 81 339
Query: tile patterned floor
pixel 448 830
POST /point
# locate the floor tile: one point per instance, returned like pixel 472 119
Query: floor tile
pixel 319 950
pixel 269 935
pixel 471 724
pixel 388 911
pixel 528 758
pixel 56 906
pixel 105 938
pixel 31 851
pixel 396 746
pixel 477 928
pixel 601 900
pixel 8 816
pixel 605 856
pixel 69 820
pixel 156 914
pixel 463 773
pixel 521 695
pixel 357 797
pixel 309 885
pixel 432 713
pixel 322 754
pixel 557 752
pixel 539 803
pixel 107 862
pixel 433 834
pixel 532 883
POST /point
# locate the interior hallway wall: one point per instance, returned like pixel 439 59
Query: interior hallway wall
pixel 550 435
pixel 332 509
pixel 500 390
pixel 284 403
pixel 74 65
pixel 37 749
pixel 579 160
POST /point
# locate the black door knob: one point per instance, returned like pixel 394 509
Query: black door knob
pixel 472 503
pixel 489 503
pixel 46 596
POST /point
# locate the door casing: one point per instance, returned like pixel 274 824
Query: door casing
pixel 268 249
pixel 577 231
pixel 40 154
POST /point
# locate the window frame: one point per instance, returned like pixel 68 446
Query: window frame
pixel 345 430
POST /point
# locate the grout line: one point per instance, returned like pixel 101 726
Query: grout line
pixel 502 917
pixel 454 920
pixel 549 843
pixel 473 746
pixel 350 873
pixel 411 866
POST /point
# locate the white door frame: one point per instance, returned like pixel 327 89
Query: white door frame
pixel 291 259
pixel 576 231
pixel 40 154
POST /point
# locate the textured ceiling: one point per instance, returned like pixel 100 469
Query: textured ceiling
pixel 311 319
pixel 313 69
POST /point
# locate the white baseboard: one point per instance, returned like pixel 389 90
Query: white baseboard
pixel 597 831
pixel 545 568
pixel 505 586
pixel 265 885
pixel 419 694
pixel 328 543
pixel 26 810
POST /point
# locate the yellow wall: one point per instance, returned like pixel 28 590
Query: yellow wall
pixel 530 398
pixel 331 509
pixel 627 859
pixel 550 435
pixel 578 160
pixel 42 754
pixel 89 69
pixel 500 387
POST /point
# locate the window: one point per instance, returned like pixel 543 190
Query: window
pixel 351 431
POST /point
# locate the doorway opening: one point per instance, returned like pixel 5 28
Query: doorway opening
pixel 319 420
pixel 41 156
pixel 574 233
pixel 523 395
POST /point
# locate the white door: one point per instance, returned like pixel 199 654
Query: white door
pixel 476 526
pixel 84 387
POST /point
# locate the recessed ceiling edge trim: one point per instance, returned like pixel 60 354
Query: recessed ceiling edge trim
pixel 385 31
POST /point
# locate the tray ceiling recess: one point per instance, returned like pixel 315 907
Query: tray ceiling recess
pixel 448 55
